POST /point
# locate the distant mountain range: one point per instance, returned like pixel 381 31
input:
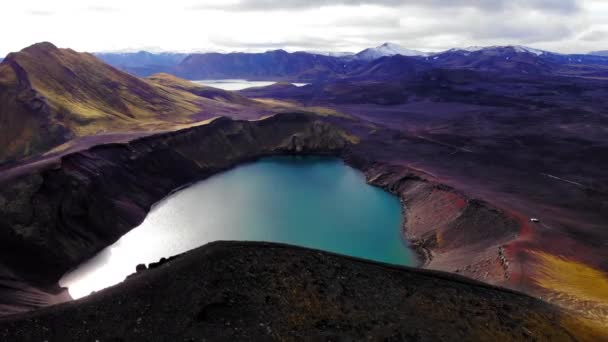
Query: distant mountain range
pixel 271 65
pixel 143 63
pixel 599 53
pixel 277 64
pixel 45 100
pixel 311 66
pixel 521 60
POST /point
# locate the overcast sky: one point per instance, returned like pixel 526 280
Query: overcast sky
pixel 336 25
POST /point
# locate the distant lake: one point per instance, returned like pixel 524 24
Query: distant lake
pixel 307 201
pixel 239 84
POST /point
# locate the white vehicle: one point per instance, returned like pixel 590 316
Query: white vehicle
pixel 535 220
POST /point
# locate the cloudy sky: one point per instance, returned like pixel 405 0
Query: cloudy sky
pixel 336 25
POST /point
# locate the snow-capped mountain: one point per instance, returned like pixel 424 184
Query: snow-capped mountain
pixel 388 49
pixel 330 53
pixel 371 63
pixel 515 48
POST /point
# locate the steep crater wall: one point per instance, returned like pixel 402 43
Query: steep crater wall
pixel 53 219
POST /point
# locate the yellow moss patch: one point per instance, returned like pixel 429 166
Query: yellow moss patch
pixel 324 111
pixel 353 139
pixel 195 124
pixel 173 81
pixel 321 111
pixel 586 329
pixel 275 102
pixel 60 148
pixel 7 75
pixel 573 284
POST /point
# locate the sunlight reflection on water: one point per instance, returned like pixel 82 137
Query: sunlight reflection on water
pixel 312 202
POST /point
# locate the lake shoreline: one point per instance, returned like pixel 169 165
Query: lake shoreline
pixel 311 201
pixel 238 84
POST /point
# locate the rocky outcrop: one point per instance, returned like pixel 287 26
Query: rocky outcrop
pixel 232 291
pixel 53 219
pixel 449 230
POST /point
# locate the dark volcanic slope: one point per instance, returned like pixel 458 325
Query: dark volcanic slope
pixel 254 291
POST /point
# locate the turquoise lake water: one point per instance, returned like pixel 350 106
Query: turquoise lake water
pixel 306 201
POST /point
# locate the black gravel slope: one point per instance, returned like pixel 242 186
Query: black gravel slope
pixel 258 291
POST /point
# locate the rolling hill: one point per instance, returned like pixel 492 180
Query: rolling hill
pixel 49 96
pixel 170 81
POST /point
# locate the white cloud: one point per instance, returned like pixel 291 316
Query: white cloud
pixel 101 25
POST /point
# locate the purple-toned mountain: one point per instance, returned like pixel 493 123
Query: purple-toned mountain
pixel 392 67
pixel 142 63
pixel 271 65
pixel 507 58
pixel 521 60
pixel 388 61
